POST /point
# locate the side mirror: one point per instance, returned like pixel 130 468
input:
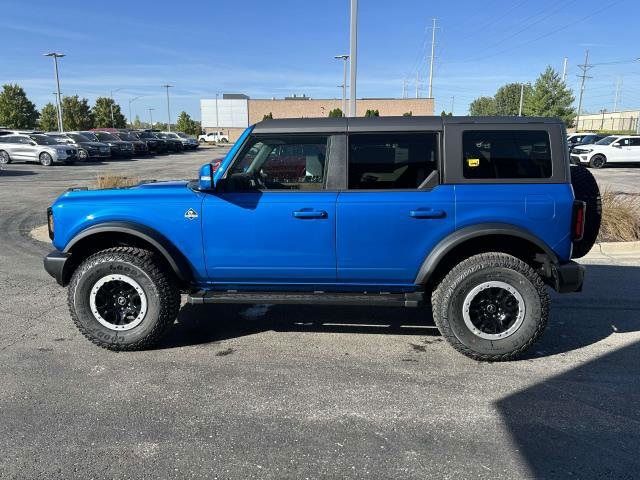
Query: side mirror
pixel 33 143
pixel 617 145
pixel 205 177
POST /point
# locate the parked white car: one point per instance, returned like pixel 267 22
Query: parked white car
pixel 213 137
pixel 35 148
pixel 611 149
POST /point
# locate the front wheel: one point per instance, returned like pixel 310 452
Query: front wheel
pixel 598 161
pixel 123 298
pixel 45 159
pixel 491 306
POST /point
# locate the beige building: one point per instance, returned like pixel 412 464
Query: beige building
pixel 234 112
pixel 610 121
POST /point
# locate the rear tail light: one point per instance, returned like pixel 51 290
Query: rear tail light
pixel 577 223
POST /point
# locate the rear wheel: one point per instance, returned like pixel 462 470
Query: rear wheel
pixel 598 161
pixel 585 188
pixel 491 306
pixel 45 159
pixel 123 298
pixel 4 157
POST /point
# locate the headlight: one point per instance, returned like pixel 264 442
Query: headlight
pixel 50 222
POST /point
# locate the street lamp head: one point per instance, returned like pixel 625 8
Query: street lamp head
pixel 341 57
pixel 54 54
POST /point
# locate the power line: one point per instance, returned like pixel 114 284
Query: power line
pixel 585 67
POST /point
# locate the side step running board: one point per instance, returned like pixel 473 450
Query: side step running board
pixel 413 299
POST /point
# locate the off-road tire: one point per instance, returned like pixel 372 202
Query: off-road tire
pixel 448 297
pixel 5 159
pixel 585 188
pixel 598 161
pixel 46 160
pixel 155 279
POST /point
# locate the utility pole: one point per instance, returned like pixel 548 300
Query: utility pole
pixel 151 117
pixel 453 98
pixel 521 99
pixel 417 84
pixel 433 47
pixel 602 111
pixel 56 56
pixel 404 88
pixel 130 102
pixel 344 59
pixel 167 86
pixel 564 69
pixel 617 97
pixel 353 57
pixel 584 68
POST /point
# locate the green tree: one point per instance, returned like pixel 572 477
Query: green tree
pixel 408 114
pixel 445 114
pixel 507 98
pixel 336 112
pixel 16 110
pixel 160 126
pixel 482 106
pixel 268 116
pixel 550 97
pixel 102 114
pixel 372 113
pixel 76 114
pixel 187 125
pixel 48 118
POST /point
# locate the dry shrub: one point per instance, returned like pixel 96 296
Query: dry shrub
pixel 114 181
pixel 620 217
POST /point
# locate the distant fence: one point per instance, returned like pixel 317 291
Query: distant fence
pixel 593 122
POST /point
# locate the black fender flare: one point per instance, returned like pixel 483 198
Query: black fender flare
pixel 458 237
pixel 176 260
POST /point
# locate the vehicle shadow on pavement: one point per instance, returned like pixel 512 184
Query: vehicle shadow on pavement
pixel 16 173
pixel 584 423
pixel 608 305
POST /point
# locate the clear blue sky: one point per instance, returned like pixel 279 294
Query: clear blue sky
pixel 279 47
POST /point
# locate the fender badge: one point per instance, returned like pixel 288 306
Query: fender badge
pixel 190 214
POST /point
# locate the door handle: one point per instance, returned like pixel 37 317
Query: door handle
pixel 310 214
pixel 427 213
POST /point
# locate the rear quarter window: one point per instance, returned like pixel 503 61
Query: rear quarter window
pixel 506 154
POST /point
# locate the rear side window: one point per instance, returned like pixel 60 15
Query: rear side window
pixel 506 154
pixel 391 160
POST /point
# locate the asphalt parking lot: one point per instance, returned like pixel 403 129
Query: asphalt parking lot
pixel 305 392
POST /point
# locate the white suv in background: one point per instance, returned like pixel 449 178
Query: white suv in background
pixel 611 149
pixel 35 148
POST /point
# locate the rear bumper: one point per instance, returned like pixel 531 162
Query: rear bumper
pixel 567 277
pixel 55 263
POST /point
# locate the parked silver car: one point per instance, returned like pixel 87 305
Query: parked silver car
pixel 35 148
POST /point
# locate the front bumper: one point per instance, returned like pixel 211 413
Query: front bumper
pixel 55 264
pixel 567 277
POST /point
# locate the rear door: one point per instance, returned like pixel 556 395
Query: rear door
pixel 634 147
pixel 274 221
pixel 393 211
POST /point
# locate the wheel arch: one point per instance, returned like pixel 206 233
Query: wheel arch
pixel 110 234
pixel 479 239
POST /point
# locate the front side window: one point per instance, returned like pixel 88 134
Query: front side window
pixel 281 162
pixel 391 160
pixel 507 154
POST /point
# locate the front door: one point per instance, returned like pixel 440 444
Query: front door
pixel 393 212
pixel 272 220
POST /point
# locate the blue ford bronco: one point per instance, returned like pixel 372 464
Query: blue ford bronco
pixel 473 216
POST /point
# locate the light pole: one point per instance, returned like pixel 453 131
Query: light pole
pixel 353 56
pixel 151 117
pixel 130 102
pixel 113 122
pixel 56 56
pixel 344 58
pixel 167 86
pixel 55 95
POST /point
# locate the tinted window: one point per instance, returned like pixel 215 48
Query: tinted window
pixel 635 142
pixel 283 162
pixel 391 160
pixel 107 137
pixel 8 139
pixel 506 154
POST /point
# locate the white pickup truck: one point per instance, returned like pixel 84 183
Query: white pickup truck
pixel 213 137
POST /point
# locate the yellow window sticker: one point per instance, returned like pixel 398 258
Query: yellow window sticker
pixel 473 162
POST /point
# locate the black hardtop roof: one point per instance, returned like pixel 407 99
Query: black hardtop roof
pixel 368 124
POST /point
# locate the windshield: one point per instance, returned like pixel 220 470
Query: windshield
pixel 607 140
pixel 43 140
pixel 182 135
pixel 107 136
pixel 77 137
pixel 146 135
pixel 126 136
pixel 91 136
pixel 170 135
